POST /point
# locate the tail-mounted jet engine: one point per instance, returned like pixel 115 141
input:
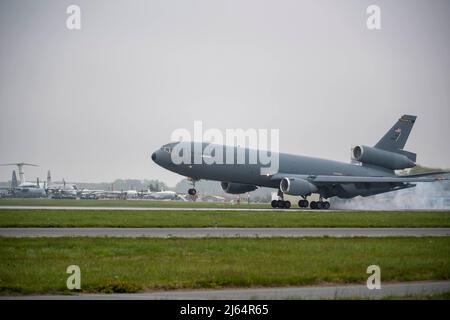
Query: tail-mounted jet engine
pixel 383 158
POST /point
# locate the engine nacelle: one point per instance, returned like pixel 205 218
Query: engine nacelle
pixel 297 187
pixel 382 158
pixel 237 188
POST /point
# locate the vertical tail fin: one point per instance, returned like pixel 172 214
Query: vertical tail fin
pixel 395 139
pixel 14 183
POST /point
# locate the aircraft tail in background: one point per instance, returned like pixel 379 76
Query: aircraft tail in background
pixel 14 183
pixel 49 178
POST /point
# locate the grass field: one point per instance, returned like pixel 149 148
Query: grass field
pixel 130 265
pixel 126 203
pixel 96 218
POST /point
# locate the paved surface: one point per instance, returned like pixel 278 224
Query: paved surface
pixel 293 209
pixel 222 232
pixel 325 292
pixel 154 208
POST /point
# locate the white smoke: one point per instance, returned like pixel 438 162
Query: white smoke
pixel 426 195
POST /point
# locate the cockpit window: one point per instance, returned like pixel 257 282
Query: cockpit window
pixel 167 149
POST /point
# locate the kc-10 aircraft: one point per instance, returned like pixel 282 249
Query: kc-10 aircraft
pixel 371 172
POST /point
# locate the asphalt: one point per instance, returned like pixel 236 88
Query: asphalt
pixel 223 232
pixel 316 292
pixel 293 209
pixel 151 208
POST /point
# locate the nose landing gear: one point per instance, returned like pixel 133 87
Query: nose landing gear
pixel 191 191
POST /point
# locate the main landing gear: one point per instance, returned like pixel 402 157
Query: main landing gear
pixel 281 203
pixel 320 205
pixel 303 203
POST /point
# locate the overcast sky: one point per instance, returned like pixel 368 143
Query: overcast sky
pixel 91 105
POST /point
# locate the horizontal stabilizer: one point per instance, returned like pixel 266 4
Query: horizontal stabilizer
pixel 357 179
pixel 427 174
pixel 323 179
pixel 410 155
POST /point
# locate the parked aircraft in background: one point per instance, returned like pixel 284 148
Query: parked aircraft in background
pixel 4 192
pixel 150 195
pixel 29 190
pixel 20 166
pixel 87 194
pixel 22 188
pixel 302 176
pixel 161 195
pixel 60 190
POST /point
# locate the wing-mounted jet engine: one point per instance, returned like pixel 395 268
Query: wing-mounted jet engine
pixel 237 188
pixel 297 187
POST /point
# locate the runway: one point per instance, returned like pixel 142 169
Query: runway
pixel 201 209
pixel 154 208
pixel 223 232
pixel 316 292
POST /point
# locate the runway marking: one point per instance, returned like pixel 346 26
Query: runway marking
pixel 223 232
pixel 313 292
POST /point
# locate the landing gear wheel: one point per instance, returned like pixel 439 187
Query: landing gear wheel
pixel 281 204
pixel 274 203
pixel 192 192
pixel 303 203
pixel 325 205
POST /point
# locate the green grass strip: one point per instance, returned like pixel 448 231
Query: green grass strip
pixel 214 218
pixel 128 265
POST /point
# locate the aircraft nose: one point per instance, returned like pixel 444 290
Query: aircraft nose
pixel 154 156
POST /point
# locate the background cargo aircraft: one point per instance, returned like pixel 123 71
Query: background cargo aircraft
pixel 29 190
pixel 157 195
pixel 25 189
pixel 371 172
pixel 20 166
pixel 161 195
pixel 61 190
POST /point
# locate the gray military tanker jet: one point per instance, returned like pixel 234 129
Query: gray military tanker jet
pixel 371 172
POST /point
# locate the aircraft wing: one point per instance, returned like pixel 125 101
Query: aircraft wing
pixel 324 179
